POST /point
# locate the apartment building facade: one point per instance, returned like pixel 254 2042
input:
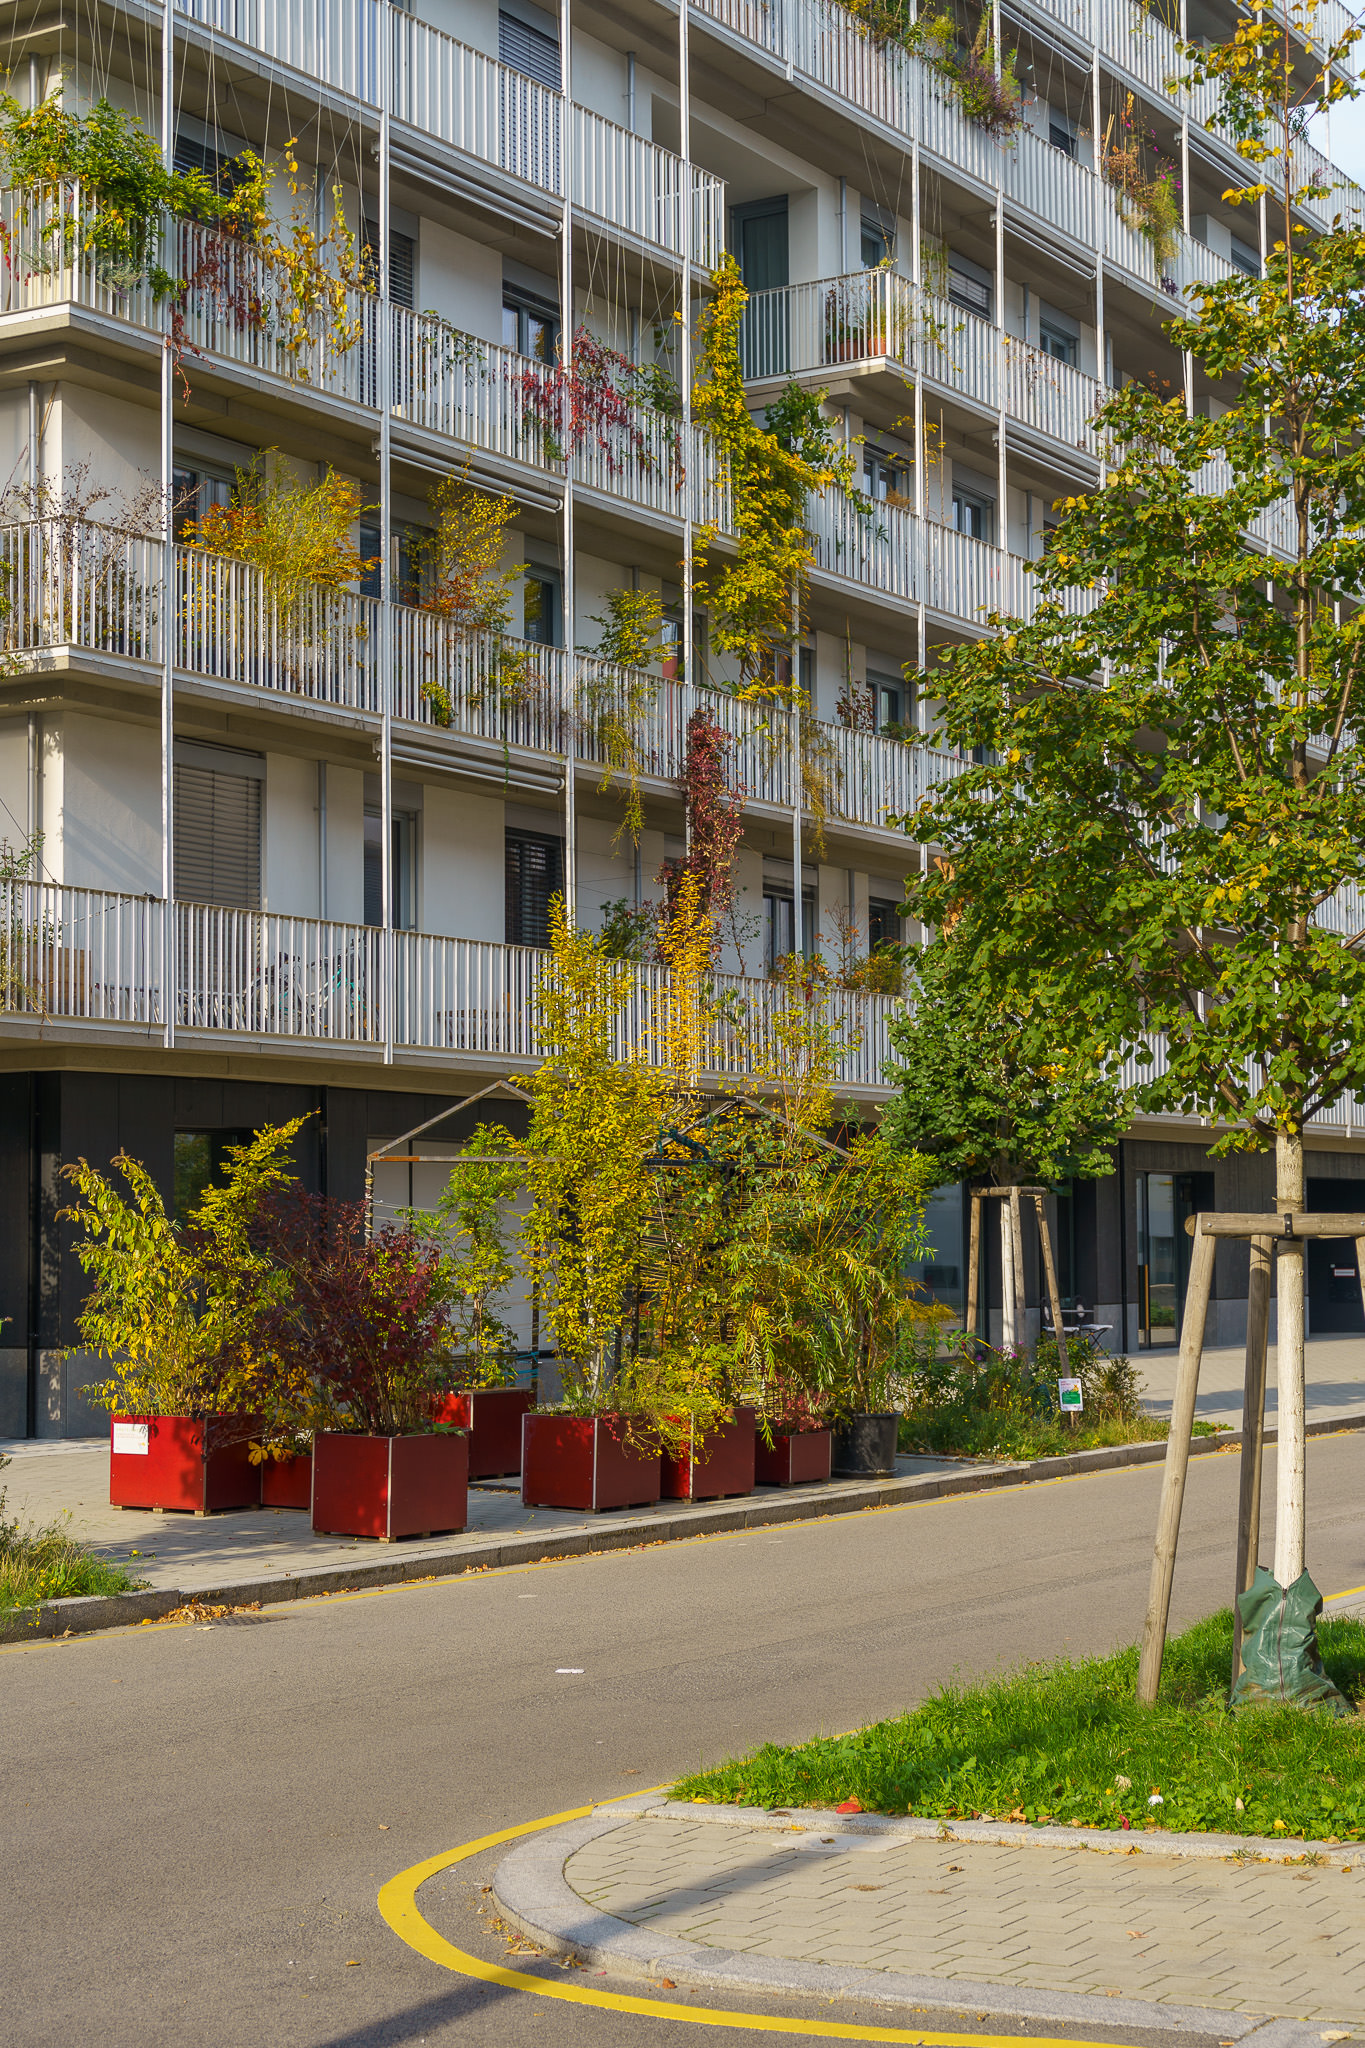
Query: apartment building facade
pixel 304 865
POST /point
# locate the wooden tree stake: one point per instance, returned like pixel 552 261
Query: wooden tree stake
pixel 1176 1467
pixel 974 1266
pixel 1017 1255
pixel 1253 1434
pixel 1054 1299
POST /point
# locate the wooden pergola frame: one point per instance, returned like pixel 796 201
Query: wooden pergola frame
pixel 1264 1233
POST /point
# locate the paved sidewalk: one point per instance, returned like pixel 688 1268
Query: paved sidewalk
pixel 1335 1380
pixel 1014 1920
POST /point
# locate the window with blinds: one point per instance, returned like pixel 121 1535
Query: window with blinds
pixel 217 837
pixel 535 876
pixel 528 50
pixel 402 263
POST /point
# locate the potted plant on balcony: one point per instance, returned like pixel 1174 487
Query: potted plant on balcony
pixel 175 1310
pixel 364 1320
pixel 468 1232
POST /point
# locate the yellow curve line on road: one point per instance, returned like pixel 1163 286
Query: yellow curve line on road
pixel 398 1905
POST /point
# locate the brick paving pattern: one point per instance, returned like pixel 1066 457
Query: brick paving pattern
pixel 1258 1937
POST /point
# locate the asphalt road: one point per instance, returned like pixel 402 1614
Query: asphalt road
pixel 195 1821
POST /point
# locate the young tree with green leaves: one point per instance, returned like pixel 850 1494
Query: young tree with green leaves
pixel 1165 851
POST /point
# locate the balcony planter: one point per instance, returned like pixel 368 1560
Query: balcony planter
pixel 387 1487
pixel 574 1461
pixel 194 1464
pixel 492 1415
pixel 802 1459
pixel 287 1482
pixel 724 1465
pixel 865 1447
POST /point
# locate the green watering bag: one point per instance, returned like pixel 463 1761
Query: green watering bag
pixel 1280 1662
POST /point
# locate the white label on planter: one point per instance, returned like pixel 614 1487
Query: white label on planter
pixel 1069 1395
pixel 130 1440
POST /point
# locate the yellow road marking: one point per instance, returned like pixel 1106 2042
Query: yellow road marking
pixel 398 1904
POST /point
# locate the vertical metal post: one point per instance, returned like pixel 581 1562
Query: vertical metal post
pixel 1176 1467
pixel 169 615
pixel 1101 202
pixel 1002 524
pixel 687 664
pixel 388 944
pixel 566 357
pixel 798 918
pixel 1253 1434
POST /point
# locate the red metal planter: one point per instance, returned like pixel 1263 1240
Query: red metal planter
pixel 287 1482
pixel 725 1464
pixel 794 1460
pixel 492 1415
pixel 196 1464
pixel 389 1486
pixel 574 1461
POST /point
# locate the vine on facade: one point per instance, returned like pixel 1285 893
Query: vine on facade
pixel 457 569
pixel 1145 184
pixel 988 91
pixel 715 824
pixel 600 399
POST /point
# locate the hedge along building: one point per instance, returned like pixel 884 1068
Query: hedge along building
pixel 299 854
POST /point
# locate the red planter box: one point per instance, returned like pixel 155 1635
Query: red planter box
pixel 794 1460
pixel 198 1465
pixel 574 1461
pixel 287 1482
pixel 492 1415
pixel 389 1486
pixel 724 1466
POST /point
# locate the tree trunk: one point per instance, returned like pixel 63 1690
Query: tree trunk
pixel 1009 1306
pixel 1289 1368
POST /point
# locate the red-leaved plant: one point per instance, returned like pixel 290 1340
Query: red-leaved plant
pixel 366 1322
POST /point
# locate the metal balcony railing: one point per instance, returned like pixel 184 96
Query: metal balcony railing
pixel 459 95
pixel 96 957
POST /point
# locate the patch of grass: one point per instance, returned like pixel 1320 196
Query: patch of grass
pixel 989 1433
pixel 48 1563
pixel 1067 1742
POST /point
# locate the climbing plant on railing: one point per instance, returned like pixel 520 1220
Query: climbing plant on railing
pixel 987 94
pixel 296 534
pixel 616 694
pixel 1145 184
pixel 458 568
pixel 772 471
pixel 94 185
pixel 715 824
pixel 600 399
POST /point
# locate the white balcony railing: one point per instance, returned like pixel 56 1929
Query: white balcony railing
pixel 875 315
pixel 444 88
pixel 94 957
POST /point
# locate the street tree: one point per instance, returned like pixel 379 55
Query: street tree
pixel 1165 846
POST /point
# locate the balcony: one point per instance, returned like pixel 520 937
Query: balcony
pixel 95 961
pixel 873 318
pixel 444 89
pixel 78 588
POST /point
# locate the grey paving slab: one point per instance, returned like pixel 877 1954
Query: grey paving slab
pixel 1050 1919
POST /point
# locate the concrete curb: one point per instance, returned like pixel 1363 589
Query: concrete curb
pixel 759 1511
pixel 532 1893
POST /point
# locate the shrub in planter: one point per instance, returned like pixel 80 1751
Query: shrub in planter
pixel 175 1309
pixel 364 1324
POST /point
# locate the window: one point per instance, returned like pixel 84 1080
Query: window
pixel 778 921
pixel 878 239
pixel 889 700
pixel 402 894
pixel 402 263
pixel 970 289
pixel 529 324
pixel 541 606
pixel 883 922
pixel 534 874
pixel 973 514
pixel 194 491
pixel 1245 257
pixel 1062 136
pixel 670 640
pixel 1055 342
pixel 532 51
pixel 217 827
pixel 886 478
pixel 758 235
pixel 200 1159
pixel 409 543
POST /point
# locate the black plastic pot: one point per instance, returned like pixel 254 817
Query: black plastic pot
pixel 865 1447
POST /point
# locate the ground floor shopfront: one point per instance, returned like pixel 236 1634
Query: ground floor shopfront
pixel 1121 1246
